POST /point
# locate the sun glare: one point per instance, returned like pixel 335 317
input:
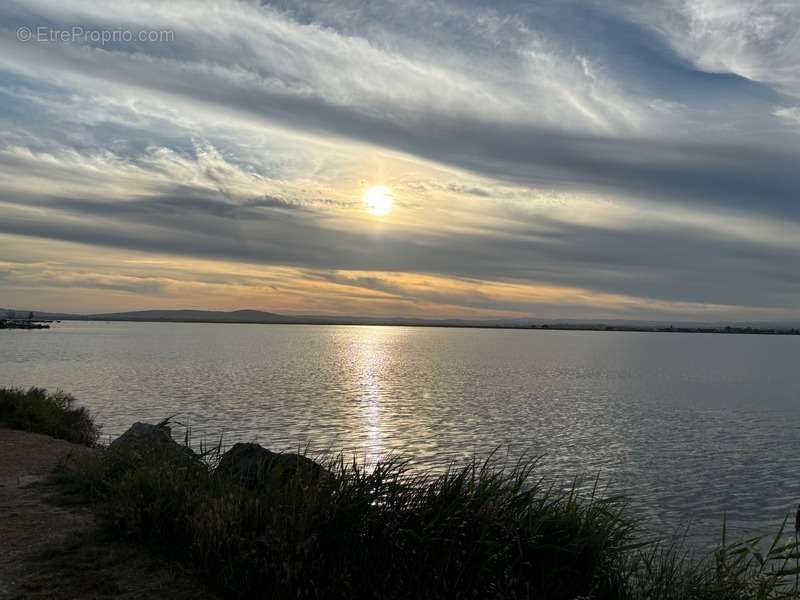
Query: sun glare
pixel 379 200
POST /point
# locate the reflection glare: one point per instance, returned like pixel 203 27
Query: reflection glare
pixel 370 354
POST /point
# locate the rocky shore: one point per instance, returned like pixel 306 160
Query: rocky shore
pixel 247 463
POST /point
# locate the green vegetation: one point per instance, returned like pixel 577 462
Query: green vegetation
pixel 754 569
pixel 55 414
pixel 387 532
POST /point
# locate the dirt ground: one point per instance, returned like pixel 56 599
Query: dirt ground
pixel 53 551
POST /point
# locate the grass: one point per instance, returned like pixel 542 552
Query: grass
pixel 473 532
pixel 53 414
pixel 478 531
pixel 754 569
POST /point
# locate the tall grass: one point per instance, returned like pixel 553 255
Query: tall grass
pixel 478 531
pixel 386 532
pixel 54 414
pixel 754 569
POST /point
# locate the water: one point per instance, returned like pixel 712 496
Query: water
pixel 693 426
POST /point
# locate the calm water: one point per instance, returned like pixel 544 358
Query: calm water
pixel 693 426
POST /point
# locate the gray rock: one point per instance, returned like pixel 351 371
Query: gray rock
pixel 154 437
pixel 255 466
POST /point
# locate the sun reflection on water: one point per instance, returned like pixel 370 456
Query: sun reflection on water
pixel 370 357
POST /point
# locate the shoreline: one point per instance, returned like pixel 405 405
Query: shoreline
pixel 724 330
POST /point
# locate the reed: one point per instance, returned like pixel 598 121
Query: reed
pixel 476 531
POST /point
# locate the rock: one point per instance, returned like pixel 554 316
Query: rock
pixel 158 437
pixel 254 466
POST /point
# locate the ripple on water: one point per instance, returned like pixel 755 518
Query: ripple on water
pixel 692 427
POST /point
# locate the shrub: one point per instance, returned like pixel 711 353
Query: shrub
pixel 55 414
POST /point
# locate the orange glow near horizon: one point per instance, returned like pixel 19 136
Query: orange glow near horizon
pixel 72 277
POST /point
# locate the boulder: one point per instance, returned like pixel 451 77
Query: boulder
pixel 255 466
pixel 154 437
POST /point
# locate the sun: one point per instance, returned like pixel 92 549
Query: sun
pixel 379 200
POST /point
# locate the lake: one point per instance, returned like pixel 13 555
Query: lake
pixel 691 426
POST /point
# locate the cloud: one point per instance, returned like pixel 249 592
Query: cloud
pixel 789 113
pixel 757 40
pixel 626 151
pixel 598 257
pixel 323 82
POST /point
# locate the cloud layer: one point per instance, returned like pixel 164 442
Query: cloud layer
pixel 547 159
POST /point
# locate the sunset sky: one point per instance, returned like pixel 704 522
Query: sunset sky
pixel 417 158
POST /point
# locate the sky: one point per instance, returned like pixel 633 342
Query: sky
pixel 586 160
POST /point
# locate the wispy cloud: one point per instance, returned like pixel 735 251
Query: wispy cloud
pixel 635 158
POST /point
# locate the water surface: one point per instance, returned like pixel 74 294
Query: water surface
pixel 693 426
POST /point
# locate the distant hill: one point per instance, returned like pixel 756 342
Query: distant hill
pixel 190 316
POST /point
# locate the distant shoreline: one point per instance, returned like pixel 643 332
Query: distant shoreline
pixel 722 330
